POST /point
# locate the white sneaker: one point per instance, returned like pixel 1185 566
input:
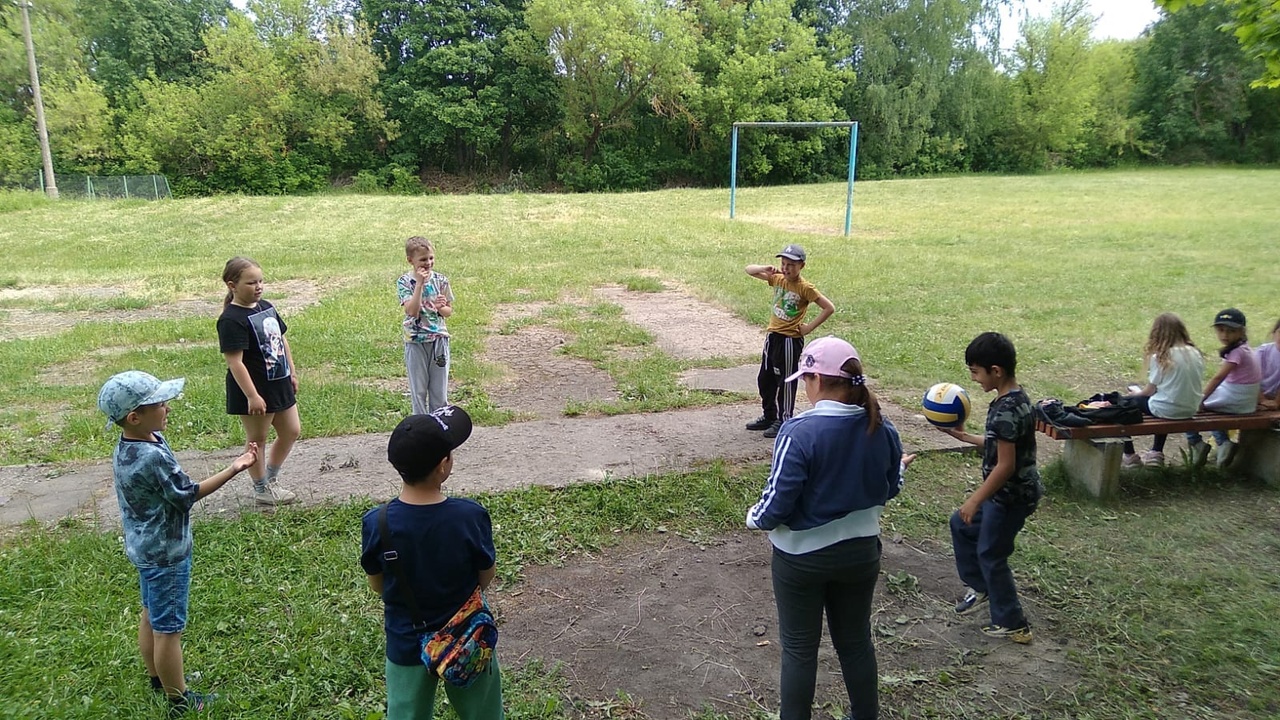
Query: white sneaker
pixel 1130 460
pixel 273 494
pixel 1226 453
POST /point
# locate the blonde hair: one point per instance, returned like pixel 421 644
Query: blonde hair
pixel 415 243
pixel 852 393
pixel 1167 332
pixel 232 271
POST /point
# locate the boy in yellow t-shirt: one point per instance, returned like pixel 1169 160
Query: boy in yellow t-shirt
pixel 792 295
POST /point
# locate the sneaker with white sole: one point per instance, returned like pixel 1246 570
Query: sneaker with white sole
pixel 1153 458
pixel 273 494
pixel 971 602
pixel 1020 635
pixel 1226 453
pixel 1131 460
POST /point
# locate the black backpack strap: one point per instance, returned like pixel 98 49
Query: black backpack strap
pixel 391 559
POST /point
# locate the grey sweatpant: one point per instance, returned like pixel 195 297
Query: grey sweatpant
pixel 428 379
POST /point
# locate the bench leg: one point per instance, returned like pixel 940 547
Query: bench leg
pixel 1094 466
pixel 1259 455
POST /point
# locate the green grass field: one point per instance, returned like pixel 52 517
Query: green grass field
pixel 1171 592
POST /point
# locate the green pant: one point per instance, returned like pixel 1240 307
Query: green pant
pixel 411 694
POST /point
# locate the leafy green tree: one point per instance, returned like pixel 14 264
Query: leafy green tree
pixel 285 104
pixel 611 57
pixel 1054 86
pixel 128 40
pixel 454 80
pixel 908 55
pixel 1256 25
pixel 1193 89
pixel 759 63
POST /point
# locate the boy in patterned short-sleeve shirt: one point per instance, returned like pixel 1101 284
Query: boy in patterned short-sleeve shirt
pixel 155 498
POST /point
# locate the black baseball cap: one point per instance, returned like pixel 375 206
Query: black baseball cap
pixel 1230 317
pixel 420 442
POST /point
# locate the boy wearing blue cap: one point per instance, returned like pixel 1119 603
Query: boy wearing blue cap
pixel 784 339
pixel 155 498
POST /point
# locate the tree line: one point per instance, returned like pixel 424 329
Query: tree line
pixel 289 96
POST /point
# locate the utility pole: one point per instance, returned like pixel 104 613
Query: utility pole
pixel 50 183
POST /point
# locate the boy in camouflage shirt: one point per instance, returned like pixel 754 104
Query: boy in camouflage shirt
pixel 984 528
pixel 155 513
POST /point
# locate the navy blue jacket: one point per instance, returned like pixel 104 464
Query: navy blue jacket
pixel 830 479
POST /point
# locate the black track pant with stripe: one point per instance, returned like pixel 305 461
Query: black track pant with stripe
pixel 781 357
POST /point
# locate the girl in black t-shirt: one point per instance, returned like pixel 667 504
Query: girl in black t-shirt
pixel 262 381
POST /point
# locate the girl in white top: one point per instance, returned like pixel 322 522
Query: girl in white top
pixel 1175 372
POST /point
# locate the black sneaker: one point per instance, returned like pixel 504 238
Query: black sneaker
pixel 760 423
pixel 971 602
pixel 190 701
pixel 1020 635
pixel 772 430
pixel 190 678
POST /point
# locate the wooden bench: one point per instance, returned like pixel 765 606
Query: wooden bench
pixel 1092 453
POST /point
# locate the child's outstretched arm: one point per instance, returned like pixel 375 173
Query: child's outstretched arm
pixel 762 272
pixel 244 462
pixel 826 310
pixel 964 437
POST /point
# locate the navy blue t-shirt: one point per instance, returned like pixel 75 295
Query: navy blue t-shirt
pixel 443 548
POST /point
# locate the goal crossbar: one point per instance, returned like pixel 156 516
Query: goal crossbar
pixel 853 154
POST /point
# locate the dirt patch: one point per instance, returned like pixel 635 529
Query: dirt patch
pixel 539 380
pixel 679 626
pixel 686 327
pixel 291 296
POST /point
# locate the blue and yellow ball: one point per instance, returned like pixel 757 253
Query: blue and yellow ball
pixel 946 405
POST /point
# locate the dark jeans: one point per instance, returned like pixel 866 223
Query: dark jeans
pixel 840 579
pixel 982 551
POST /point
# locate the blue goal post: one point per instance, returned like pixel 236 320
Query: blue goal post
pixel 853 153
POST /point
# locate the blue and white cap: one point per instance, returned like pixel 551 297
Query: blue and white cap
pixel 127 391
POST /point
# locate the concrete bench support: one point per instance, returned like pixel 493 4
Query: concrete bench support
pixel 1094 465
pixel 1259 455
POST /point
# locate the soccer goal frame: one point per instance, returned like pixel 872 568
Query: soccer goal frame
pixel 853 154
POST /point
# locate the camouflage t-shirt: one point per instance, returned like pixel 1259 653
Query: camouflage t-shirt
pixel 155 502
pixel 1010 418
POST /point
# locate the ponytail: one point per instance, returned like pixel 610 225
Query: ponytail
pixel 231 273
pixel 855 391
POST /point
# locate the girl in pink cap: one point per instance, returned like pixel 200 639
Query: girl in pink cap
pixel 834 467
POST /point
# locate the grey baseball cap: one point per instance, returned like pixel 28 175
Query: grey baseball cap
pixel 792 252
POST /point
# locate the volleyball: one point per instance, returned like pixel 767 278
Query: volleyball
pixel 946 405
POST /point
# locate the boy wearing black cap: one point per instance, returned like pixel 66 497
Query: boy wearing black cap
pixel 445 549
pixel 785 336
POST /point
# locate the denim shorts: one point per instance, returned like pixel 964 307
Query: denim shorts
pixel 164 594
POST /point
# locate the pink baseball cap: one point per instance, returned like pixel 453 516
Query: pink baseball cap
pixel 824 356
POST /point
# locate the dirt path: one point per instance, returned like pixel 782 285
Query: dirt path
pixel 546 449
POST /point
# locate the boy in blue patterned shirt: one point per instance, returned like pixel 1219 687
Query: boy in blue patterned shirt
pixel 427 300
pixel 984 528
pixel 155 498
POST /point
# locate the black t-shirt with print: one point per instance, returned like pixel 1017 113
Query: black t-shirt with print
pixel 259 332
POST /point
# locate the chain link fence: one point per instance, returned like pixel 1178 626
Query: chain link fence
pixel 106 187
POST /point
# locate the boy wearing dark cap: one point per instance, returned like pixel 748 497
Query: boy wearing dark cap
pixel 785 336
pixel 155 498
pixel 445 549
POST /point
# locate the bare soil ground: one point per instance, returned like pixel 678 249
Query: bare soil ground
pixel 659 625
